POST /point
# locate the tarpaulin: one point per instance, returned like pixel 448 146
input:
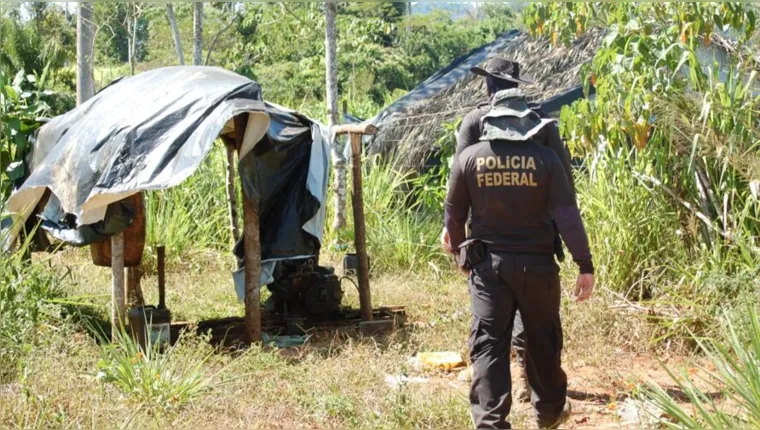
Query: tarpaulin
pixel 151 132
pixel 146 132
pixel 286 175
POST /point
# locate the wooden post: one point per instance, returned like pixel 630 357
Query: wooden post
pixel 355 132
pixel 252 247
pixel 252 250
pixel 118 296
pixel 232 204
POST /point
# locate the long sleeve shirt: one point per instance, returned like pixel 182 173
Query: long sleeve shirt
pixel 514 190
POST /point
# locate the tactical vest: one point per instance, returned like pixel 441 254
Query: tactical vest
pixel 511 119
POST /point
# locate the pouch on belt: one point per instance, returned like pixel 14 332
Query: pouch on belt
pixel 471 253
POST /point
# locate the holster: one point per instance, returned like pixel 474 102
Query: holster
pixel 559 250
pixel 471 253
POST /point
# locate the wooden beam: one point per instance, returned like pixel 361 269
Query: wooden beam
pixel 358 129
pixel 252 260
pixel 360 234
pixel 118 296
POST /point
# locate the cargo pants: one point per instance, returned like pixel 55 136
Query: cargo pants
pixel 500 285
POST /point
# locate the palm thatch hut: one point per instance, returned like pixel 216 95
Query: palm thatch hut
pixel 410 127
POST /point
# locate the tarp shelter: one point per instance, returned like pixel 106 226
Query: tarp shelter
pixel 152 132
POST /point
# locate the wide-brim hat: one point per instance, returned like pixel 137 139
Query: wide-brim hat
pixel 501 69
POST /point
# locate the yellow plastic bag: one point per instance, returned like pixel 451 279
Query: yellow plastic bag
pixel 440 360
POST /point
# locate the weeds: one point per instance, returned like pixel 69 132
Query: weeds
pixel 737 378
pixel 164 380
pixel 27 292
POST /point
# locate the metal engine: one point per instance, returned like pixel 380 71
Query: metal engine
pixel 305 289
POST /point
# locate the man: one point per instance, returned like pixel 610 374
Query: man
pixel 502 74
pixel 515 187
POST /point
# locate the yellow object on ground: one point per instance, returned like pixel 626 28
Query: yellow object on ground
pixel 440 360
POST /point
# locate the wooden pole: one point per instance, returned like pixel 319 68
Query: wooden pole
pixel 252 259
pixel 355 133
pixel 232 202
pixel 118 296
pixel 360 234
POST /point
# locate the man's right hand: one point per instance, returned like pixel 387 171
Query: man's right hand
pixel 584 287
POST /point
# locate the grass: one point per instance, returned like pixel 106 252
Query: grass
pixel 27 298
pixel 165 380
pixel 736 377
pixel 335 381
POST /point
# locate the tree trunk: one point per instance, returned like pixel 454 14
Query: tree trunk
pixel 132 33
pixel 197 33
pixel 85 38
pixel 339 161
pixel 175 33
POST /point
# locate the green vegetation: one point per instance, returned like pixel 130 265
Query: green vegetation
pixel 669 191
pixel 27 295
pixel 736 377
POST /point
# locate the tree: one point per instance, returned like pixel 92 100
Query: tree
pixel 175 33
pixel 85 37
pixel 339 162
pixel 197 33
pixel 131 22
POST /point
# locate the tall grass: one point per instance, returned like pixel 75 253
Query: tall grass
pixel 634 231
pixel 736 378
pixel 192 216
pixel 402 234
pixel 27 294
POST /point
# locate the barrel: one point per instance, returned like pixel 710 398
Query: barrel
pixel 134 239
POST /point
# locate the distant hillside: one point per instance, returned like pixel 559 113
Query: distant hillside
pixel 455 9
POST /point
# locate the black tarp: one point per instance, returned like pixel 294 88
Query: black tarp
pixel 151 132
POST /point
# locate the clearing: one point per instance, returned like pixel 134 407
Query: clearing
pixel 335 380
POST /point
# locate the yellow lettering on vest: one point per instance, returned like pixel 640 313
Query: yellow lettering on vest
pixel 505 179
pixel 530 164
pixel 497 179
pixel 532 182
pixel 501 164
pixel 491 163
pixel 516 162
pixel 489 179
pixel 479 162
pixel 524 179
pixel 480 177
pixel 515 178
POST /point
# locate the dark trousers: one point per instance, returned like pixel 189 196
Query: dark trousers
pixel 500 286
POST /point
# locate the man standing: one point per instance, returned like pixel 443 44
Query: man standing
pixel 515 187
pixel 502 74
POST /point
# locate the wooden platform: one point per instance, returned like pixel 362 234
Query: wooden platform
pixel 230 331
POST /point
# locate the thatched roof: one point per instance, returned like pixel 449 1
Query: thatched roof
pixel 412 124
